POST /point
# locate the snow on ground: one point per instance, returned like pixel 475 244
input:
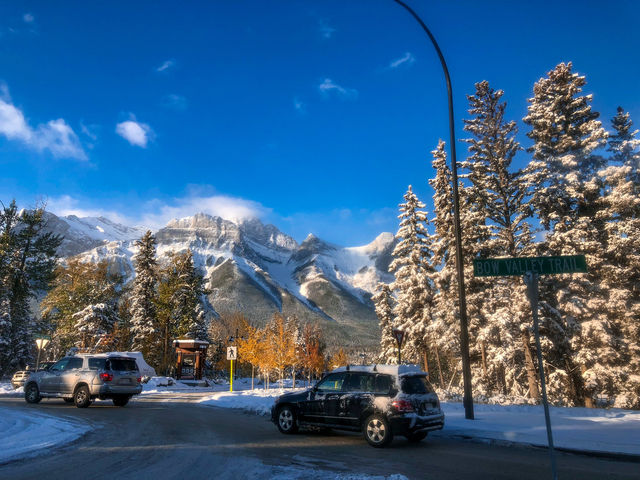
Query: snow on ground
pixel 6 389
pixel 586 429
pixel 26 433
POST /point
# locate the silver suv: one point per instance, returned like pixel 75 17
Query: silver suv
pixel 85 377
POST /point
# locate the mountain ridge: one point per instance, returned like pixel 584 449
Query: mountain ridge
pixel 253 268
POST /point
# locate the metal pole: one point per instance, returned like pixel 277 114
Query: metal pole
pixel 531 280
pixel 464 332
pixel 38 359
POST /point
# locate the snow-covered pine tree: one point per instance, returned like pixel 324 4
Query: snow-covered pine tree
pixel 499 191
pixel 94 322
pixel 445 326
pixel 413 286
pixel 27 261
pixel 566 196
pixel 187 297
pixel 143 301
pixel 383 301
pixel 620 274
pixel 76 286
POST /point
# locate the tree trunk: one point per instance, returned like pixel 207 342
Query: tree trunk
pixel 534 393
pixel 252 373
pixel 588 399
pixel 439 367
pixel 426 363
pixel 484 360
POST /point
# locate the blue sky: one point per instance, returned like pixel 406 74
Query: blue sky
pixel 312 115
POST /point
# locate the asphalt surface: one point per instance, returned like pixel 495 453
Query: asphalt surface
pixel 167 437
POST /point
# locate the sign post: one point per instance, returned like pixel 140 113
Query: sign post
pixel 531 268
pixel 232 354
pixel 399 336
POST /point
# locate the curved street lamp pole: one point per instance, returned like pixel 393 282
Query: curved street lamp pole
pixel 464 333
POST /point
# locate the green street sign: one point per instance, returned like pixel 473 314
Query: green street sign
pixel 504 267
pixel 43 337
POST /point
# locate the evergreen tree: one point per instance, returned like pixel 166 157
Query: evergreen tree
pixel 413 285
pixel 444 329
pixel 620 274
pixel 27 261
pixel 94 323
pixel 500 191
pixel 77 288
pixel 383 301
pixel 566 196
pixel 144 295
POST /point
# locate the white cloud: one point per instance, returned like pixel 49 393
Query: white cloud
pixel 134 132
pixel 28 18
pixel 173 101
pixel 325 29
pixel 68 205
pixel 328 87
pixel 156 213
pixel 55 136
pixel 407 59
pixel 166 65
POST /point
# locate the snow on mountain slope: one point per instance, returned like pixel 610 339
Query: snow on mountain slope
pixel 82 234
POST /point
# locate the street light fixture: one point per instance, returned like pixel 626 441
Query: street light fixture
pixel 41 342
pixel 464 333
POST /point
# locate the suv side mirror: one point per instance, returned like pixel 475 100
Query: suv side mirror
pixel 393 392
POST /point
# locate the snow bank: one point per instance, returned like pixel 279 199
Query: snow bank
pixel 26 433
pixel 255 401
pixel 6 389
pixel 585 429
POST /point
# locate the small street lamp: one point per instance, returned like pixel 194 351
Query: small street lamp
pixel 41 342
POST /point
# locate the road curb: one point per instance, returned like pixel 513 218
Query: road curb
pixel 626 457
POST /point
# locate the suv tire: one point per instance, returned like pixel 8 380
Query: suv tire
pixel 120 401
pixel 32 394
pixel 377 430
pixel 82 397
pixel 416 436
pixel 287 420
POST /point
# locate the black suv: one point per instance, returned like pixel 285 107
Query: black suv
pixel 379 400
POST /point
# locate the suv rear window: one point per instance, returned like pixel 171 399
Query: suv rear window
pixel 121 364
pixel 416 385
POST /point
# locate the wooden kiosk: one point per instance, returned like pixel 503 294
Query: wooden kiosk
pixel 191 355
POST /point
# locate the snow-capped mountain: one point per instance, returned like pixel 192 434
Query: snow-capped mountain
pixel 256 269
pixel 81 234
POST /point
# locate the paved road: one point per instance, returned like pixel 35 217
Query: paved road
pixel 158 438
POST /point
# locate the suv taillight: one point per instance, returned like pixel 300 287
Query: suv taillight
pixel 403 406
pixel 139 379
pixel 106 377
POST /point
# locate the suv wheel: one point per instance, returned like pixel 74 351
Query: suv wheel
pixel 416 437
pixel 32 394
pixel 287 421
pixel 377 430
pixel 120 401
pixel 82 397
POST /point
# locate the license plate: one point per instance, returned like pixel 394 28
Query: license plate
pixel 124 381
